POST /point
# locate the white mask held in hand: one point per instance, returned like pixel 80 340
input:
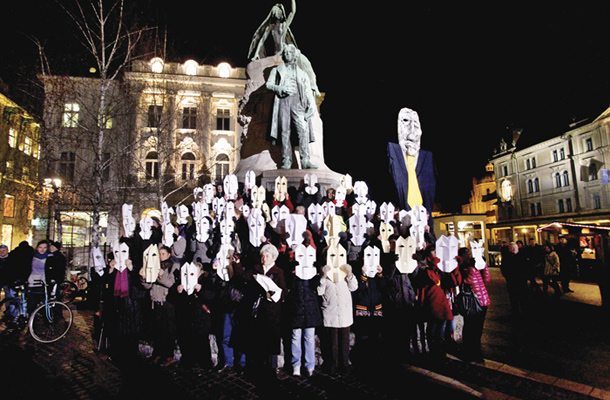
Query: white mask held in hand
pixel 310 181
pixel 295 226
pixel 129 223
pixel 224 261
pixel 476 248
pixel 256 226
pixel 305 256
pixel 315 215
pixel 121 255
pixel 446 251
pixel 152 263
pixel 405 249
pixel 98 260
pixel 231 185
pixel 189 275
pixel 146 228
pixel 385 231
pixel 336 258
pixel 371 261
pixel 357 228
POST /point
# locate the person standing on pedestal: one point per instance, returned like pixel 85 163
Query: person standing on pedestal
pixel 293 107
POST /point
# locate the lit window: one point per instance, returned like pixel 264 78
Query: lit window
pixel 188 166
pixel 223 119
pixel 152 165
pixel 9 206
pixel 71 111
pixel 566 178
pixel 27 146
pixel 12 137
pixel 224 70
pixel 593 176
pixel 190 67
pixel 189 118
pixel 589 144
pixel 156 65
pixel 106 122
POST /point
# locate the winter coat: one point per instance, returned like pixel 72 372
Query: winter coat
pixel 399 293
pixel 431 285
pixel 477 280
pixel 337 303
pixel 303 303
pixel 369 296
pixel 551 264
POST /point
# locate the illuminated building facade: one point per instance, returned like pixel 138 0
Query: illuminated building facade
pixel 563 179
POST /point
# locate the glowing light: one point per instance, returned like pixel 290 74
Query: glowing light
pixel 156 65
pixel 190 67
pixel 224 70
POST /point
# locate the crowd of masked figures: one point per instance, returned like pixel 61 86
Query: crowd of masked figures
pixel 339 237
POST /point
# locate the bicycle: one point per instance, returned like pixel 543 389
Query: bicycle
pixel 48 323
pixel 70 289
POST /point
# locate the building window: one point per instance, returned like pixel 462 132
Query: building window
pixel 560 206
pixel 223 119
pixel 222 167
pixel 152 165
pixel 107 122
pixel 557 180
pixel 189 118
pixel 532 210
pixel 566 178
pixel 562 154
pixel 71 111
pixel 536 185
pixel 154 116
pixel 528 164
pixel 539 208
pixel 27 145
pixel 188 166
pixel 593 172
pixel 12 137
pixel 530 186
pixel 504 170
pixel 555 156
pixel 66 165
pixel 589 144
pixel 569 205
pixel 597 202
pixel 9 206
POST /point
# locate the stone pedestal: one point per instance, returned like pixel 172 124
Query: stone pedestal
pixel 257 152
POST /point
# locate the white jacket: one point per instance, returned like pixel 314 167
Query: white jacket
pixel 337 305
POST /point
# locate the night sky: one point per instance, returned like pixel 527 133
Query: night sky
pixel 470 71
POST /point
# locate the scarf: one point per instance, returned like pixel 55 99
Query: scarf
pixel 121 284
pixel 41 256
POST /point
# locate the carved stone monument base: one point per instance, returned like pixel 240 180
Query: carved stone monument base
pixel 326 178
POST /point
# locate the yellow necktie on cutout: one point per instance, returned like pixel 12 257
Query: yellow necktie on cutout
pixel 413 195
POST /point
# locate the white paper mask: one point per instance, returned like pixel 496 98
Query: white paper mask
pixel 146 228
pixel 371 261
pixel 305 256
pixel 198 194
pixel 295 226
pixel 168 234
pixel 310 184
pixel 336 257
pixel 346 182
pixel 208 193
pixel 129 223
pixel 230 185
pixel 121 255
pixel 200 210
pixel 256 226
pixel 361 191
pixel 418 217
pixel 189 276
pixel 281 188
pixel 152 263
pixel 405 249
pixel 249 180
pixel 278 214
pixel 204 228
pixel 245 210
pixel 224 259
pixel 446 251
pixel 227 227
pixel 386 212
pixel 229 211
pixel 333 225
pixel 182 214
pixel 385 231
pixel 98 260
pixel 476 249
pixel 371 209
pixel 357 228
pixel 315 215
pixel 258 196
pixel 340 194
pixel 218 205
pixel 329 209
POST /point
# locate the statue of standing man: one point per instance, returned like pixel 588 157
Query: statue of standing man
pixel 293 107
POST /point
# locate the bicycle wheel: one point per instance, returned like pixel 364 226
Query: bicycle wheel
pixel 9 311
pixel 67 291
pixel 50 322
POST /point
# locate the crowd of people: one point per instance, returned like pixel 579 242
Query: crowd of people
pixel 269 273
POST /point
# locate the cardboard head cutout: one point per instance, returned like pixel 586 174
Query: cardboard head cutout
pixel 336 258
pixel 386 212
pixel 329 209
pixel 333 225
pixel 98 260
pixel 146 228
pixel 346 183
pixel 315 215
pixel 278 214
pixel 409 131
pixel 189 275
pixel 361 192
pixel 281 188
pixel 249 180
pixel 385 231
pixel 198 194
pixel 129 222
pixel 121 255
pixel 182 214
pixel 371 261
pixel 204 229
pixel 446 251
pixel 168 234
pixel 295 226
pixel 305 256
pixel 476 249
pixel 371 209
pixel 256 227
pixel 225 253
pixel 340 194
pixel 258 196
pixel 405 249
pixel 357 228
pixel 208 193
pixel 152 263
pixel 310 181
pixel 227 227
pixel 218 205
pixel 230 185
pixel 418 216
pixel 245 210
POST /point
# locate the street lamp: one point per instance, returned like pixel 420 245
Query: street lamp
pixel 53 184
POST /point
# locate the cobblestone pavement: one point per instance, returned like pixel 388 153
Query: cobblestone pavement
pixel 561 350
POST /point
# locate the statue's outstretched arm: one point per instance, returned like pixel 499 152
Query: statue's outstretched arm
pixel 293 11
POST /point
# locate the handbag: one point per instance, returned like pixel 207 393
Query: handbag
pixel 466 302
